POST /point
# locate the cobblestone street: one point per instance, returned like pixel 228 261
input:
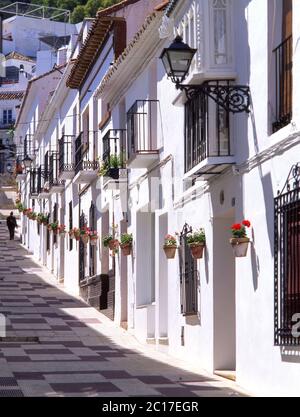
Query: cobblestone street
pixel 56 345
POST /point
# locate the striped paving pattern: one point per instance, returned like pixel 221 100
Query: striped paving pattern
pixel 75 353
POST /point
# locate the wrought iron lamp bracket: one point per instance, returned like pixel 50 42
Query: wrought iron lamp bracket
pixel 233 98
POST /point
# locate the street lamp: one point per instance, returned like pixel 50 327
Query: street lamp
pixel 27 161
pixel 177 60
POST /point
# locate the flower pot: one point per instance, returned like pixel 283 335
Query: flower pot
pixel 77 237
pixel 126 249
pixel 240 246
pixel 113 244
pixel 113 173
pixel 170 251
pixel 93 241
pixel 85 239
pixel 197 250
pixel 54 231
pixel 62 234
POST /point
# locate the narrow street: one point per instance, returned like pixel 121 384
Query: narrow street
pixel 56 345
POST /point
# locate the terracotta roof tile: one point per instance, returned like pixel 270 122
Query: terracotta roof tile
pixel 11 95
pixel 126 51
pixel 21 57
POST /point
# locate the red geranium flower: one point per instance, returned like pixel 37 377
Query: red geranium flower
pixel 246 223
pixel 236 226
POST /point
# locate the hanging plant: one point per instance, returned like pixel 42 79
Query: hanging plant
pixel 239 240
pixel 93 235
pixel 126 243
pixel 196 242
pixel 61 230
pixel 170 246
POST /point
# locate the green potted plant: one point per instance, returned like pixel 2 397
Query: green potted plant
pixel 84 234
pixel 239 240
pixel 196 242
pixel 62 230
pixel 109 241
pixel 170 246
pixel 54 227
pixel 93 235
pixel 126 243
pixel 77 233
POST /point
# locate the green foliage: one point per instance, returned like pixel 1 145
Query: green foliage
pixel 79 8
pixel 198 237
pixel 126 239
pixel 106 239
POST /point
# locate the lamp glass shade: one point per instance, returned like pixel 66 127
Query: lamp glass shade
pixel 27 162
pixel 177 60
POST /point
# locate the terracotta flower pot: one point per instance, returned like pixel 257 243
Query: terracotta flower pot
pixel 85 239
pixel 240 246
pixel 197 250
pixel 126 249
pixel 113 244
pixel 170 251
pixel 93 241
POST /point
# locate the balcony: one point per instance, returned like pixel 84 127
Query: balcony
pixel 43 191
pixel 113 158
pixel 142 148
pixel 56 185
pixel 208 141
pixel 33 183
pixel 284 83
pixel 86 166
pixel 66 157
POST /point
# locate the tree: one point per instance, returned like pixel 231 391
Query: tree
pixel 78 14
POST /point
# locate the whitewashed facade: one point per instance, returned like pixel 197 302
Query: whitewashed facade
pixel 220 312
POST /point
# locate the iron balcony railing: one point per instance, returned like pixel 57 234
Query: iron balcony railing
pixel 66 157
pixel 207 129
pixel 85 152
pixel 53 169
pixel 283 83
pixel 33 182
pixel 114 151
pixel 142 127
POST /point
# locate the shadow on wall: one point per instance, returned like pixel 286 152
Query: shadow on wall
pixel 242 123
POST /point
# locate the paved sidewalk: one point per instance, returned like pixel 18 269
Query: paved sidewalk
pixel 78 351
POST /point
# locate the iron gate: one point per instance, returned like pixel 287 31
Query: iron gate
pixel 188 275
pixel 82 224
pixel 287 262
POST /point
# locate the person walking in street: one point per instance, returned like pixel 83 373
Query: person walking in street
pixel 11 224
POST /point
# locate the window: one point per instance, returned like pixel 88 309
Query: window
pixel 7 116
pixel 287 264
pixel 188 276
pixel 48 234
pixel 92 249
pixel 70 224
pixel 283 54
pixel 207 130
pixel 55 220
